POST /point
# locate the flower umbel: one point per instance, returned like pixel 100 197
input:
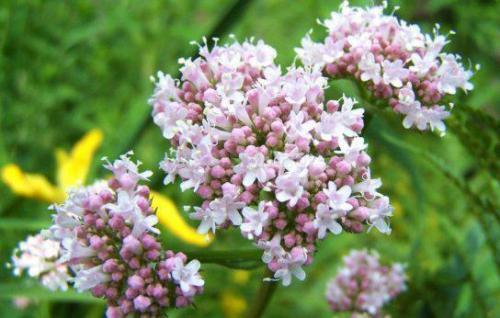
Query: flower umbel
pixel 363 286
pixel 266 152
pixel 109 240
pixel 393 59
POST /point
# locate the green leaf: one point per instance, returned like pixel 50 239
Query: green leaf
pixel 237 259
pixel 23 224
pixel 12 290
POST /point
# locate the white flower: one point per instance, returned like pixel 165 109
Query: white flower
pixel 165 90
pixel 125 206
pixel 298 168
pixel 337 199
pixel 380 210
pixel 169 119
pixel 171 168
pixel 422 117
pixel 288 188
pixel 334 50
pixel 298 127
pixel 349 116
pixel 339 123
pixel 435 116
pixel 209 219
pixel 370 70
pixel 311 53
pixel 143 224
pixel 256 220
pixel 292 266
pixel 56 279
pixel 410 36
pixel 192 72
pixel 228 206
pixel 394 72
pixel 330 126
pixel 415 116
pixel 263 55
pixel 86 279
pixel 422 65
pixel 369 186
pixel 252 166
pixel 272 249
pixel 351 152
pixel 126 166
pixel 319 54
pixel 451 75
pixel 187 276
pixel 38 255
pixel 295 92
pixel 326 220
pixel 74 252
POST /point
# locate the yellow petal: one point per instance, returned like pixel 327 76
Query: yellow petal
pixel 169 216
pixel 33 186
pixel 73 168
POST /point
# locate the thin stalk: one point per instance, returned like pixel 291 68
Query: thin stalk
pixel 242 259
pixel 263 297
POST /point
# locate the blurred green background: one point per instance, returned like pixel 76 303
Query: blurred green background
pixel 70 66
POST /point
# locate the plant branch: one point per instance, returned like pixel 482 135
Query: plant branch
pixel 242 259
pixel 263 297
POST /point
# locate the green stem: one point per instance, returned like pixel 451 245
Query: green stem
pixel 263 296
pixel 244 259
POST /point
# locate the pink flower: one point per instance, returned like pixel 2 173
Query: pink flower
pixel 326 220
pixel 337 199
pixel 252 167
pixel 289 188
pixel 370 70
pixel 256 220
pixel 187 276
pixel 394 72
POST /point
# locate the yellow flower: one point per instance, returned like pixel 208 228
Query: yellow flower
pixel 72 170
pixel 233 305
pixel 169 216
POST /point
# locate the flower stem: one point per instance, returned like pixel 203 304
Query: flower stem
pixel 263 296
pixel 242 259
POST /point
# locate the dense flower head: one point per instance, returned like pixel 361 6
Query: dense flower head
pixel 37 256
pixel 395 60
pixel 109 240
pixel 363 285
pixel 267 153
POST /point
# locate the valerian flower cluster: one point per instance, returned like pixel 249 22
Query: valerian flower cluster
pixel 363 285
pixel 267 153
pixel 105 235
pixel 395 60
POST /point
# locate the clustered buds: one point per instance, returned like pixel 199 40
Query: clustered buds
pixel 267 153
pixel 37 256
pixel 395 60
pixel 363 286
pixel 108 237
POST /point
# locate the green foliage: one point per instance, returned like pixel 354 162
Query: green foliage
pixel 69 66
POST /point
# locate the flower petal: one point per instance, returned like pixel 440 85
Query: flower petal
pixel 33 186
pixel 73 168
pixel 169 216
